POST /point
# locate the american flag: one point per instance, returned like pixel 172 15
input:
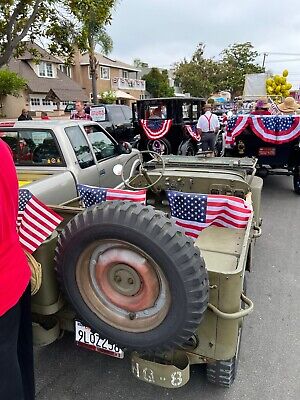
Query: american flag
pixel 274 109
pixel 91 195
pixel 195 212
pixel 35 222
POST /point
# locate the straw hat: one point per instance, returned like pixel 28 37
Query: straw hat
pixel 289 105
pixel 262 103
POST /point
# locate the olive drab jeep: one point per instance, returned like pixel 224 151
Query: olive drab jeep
pixel 124 277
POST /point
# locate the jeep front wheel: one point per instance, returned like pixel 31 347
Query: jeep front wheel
pixel 132 276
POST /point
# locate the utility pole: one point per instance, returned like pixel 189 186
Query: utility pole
pixel 264 59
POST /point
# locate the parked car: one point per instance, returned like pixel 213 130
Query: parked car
pixel 168 125
pixel 116 119
pixel 52 157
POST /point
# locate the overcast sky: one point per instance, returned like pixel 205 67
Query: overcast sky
pixel 161 32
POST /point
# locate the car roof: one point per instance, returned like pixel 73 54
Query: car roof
pixel 172 98
pixel 44 123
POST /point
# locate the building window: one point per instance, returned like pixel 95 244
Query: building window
pixel 105 73
pixel 35 101
pixel 65 69
pixel 125 74
pixel 46 70
pixel 46 102
pixel 65 103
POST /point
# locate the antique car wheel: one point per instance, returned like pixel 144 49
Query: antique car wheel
pixel 132 276
pixel 160 146
pixel 296 180
pixel 188 148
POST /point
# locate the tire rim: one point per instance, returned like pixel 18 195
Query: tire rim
pixel 158 146
pixel 123 286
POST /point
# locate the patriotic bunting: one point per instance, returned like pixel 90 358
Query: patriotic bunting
pixel 276 129
pixel 156 128
pixel 193 132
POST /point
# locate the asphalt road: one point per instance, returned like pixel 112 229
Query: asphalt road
pixel 269 366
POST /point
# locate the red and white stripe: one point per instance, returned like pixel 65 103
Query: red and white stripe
pixel 138 196
pixel 35 224
pixel 156 134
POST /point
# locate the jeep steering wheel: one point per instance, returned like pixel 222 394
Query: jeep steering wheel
pixel 143 171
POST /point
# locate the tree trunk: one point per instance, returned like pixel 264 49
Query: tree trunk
pixel 93 68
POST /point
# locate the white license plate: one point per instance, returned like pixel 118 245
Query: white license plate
pixel 85 337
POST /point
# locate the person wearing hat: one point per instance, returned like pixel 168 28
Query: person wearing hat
pixel 208 126
pixel 289 106
pixel 261 107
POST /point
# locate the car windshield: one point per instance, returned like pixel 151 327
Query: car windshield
pixel 103 146
pixel 156 111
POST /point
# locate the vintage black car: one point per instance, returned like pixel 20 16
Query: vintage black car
pixel 168 125
pixel 274 140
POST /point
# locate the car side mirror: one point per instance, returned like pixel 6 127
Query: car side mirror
pixel 124 148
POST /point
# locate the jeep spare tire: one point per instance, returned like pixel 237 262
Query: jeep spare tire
pixel 132 275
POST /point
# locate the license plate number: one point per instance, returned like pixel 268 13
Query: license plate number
pixel 85 337
pixel 267 151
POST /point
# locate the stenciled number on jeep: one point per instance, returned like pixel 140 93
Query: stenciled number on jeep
pixel 176 378
pixel 136 369
pixel 148 375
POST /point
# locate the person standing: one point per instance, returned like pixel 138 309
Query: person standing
pixel 208 126
pixel 16 353
pixel 24 116
pixel 79 112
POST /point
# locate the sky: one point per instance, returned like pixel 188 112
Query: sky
pixel 162 32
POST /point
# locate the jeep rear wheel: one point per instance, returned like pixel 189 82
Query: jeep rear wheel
pixel 223 373
pixel 132 276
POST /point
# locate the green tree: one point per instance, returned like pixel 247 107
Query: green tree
pixel 64 23
pixel 157 83
pixel 238 60
pixel 203 76
pixel 10 84
pixel 108 97
pixel 199 76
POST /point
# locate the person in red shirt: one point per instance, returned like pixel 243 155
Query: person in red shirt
pixel 16 354
pixel 261 108
pixel 80 113
pixel 44 115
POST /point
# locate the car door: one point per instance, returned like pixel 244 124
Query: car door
pixel 108 154
pixel 88 170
